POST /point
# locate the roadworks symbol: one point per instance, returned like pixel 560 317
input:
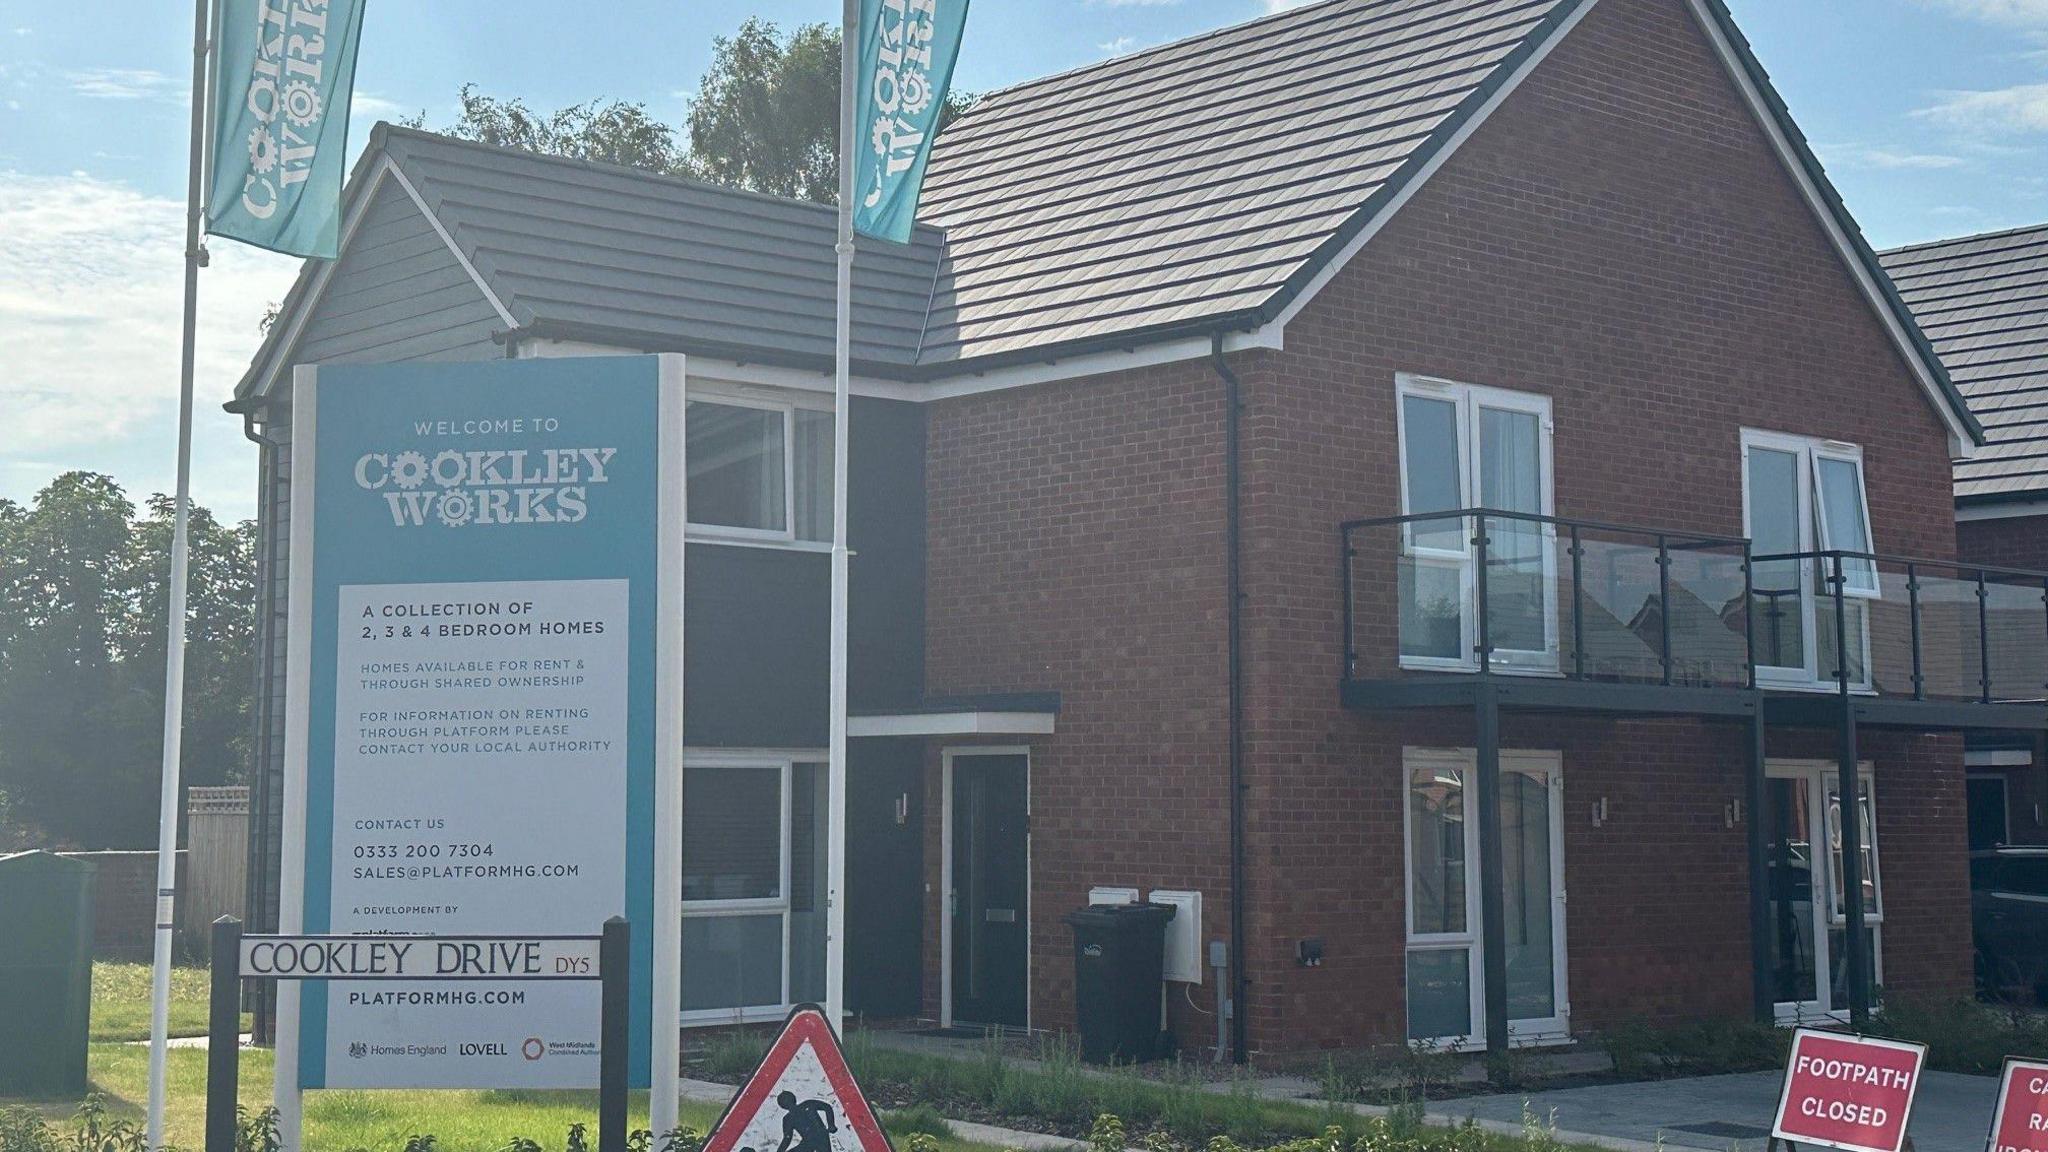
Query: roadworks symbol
pixel 802 1098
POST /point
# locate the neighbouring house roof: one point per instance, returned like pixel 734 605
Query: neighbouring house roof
pixel 1983 300
pixel 1204 186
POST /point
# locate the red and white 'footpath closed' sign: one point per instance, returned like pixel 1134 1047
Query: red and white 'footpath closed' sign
pixel 1848 1092
pixel 2021 1122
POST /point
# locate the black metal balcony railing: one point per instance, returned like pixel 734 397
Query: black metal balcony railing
pixel 1511 591
pixel 1919 629
pixel 1490 590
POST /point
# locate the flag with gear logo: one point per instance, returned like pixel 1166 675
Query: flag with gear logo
pixel 284 71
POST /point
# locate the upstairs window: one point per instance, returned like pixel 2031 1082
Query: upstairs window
pixel 759 470
pixel 1803 496
pixel 1464 446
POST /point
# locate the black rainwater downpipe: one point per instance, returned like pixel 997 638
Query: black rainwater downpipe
pixel 1233 407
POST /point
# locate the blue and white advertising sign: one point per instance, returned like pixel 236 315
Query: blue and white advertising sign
pixel 485 625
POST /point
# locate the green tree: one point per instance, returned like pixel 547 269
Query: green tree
pixel 615 132
pixel 765 118
pixel 766 114
pixel 83 605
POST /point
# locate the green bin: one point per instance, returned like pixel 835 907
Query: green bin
pixel 45 974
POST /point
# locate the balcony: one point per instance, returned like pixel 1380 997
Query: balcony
pixel 1927 641
pixel 1580 615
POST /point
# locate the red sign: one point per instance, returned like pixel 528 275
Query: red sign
pixel 802 1098
pixel 2020 1122
pixel 1848 1092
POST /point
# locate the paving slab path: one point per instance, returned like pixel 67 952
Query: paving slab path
pixel 1732 1113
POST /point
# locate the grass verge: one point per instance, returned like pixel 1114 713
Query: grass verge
pixel 338 1121
pixel 120 1002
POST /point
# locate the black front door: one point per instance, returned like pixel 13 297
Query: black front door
pixel 1989 826
pixel 990 886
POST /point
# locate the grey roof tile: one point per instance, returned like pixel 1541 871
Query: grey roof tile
pixel 1983 302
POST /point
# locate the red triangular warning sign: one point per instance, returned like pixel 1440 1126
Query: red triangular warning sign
pixel 801 1099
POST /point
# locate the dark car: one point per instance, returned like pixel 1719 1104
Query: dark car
pixel 2009 914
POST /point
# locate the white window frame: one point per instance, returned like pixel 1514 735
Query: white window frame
pixel 787 404
pixel 784 765
pixel 1813 536
pixel 1467 401
pixel 1521 1033
pixel 1816 777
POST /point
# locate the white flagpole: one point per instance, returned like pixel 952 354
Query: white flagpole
pixel 174 653
pixel 842 369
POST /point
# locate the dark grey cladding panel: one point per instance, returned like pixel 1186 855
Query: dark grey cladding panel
pixel 755 671
pixel 886 577
pixel 885 875
pixel 1983 302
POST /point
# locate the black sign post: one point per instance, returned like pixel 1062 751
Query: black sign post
pixel 224 1023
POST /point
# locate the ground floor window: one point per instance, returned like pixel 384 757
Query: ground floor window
pixel 1807 906
pixel 1446 970
pixel 753 931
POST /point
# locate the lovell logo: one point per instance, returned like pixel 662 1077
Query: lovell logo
pixel 512 486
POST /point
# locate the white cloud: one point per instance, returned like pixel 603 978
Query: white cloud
pixel 1135 3
pixel 365 108
pixel 1284 5
pixel 1118 46
pixel 2017 13
pixel 126 84
pixel 1863 156
pixel 2022 108
pixel 91 284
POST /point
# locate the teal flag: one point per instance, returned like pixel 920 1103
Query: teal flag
pixel 282 77
pixel 906 61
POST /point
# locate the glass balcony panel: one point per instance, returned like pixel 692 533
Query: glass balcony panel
pixel 1829 631
pixel 1519 600
pixel 1432 600
pixel 1951 663
pixel 2016 623
pixel 1708 617
pixel 1778 601
pixel 1619 624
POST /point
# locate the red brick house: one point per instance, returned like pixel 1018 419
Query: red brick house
pixel 1983 301
pixel 1395 477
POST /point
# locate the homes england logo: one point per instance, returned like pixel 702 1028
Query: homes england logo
pixel 458 488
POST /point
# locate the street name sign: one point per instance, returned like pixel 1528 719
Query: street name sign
pixel 2020 1122
pixel 802 1098
pixel 1853 1093
pixel 420 957
pixel 482 719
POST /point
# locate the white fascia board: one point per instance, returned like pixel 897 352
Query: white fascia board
pixel 385 167
pixel 420 202
pixel 1997 757
pixel 953 724
pixel 1961 446
pixel 707 369
pixel 1272 331
pixel 2017 510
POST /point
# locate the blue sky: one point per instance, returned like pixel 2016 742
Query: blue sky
pixel 1932 117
